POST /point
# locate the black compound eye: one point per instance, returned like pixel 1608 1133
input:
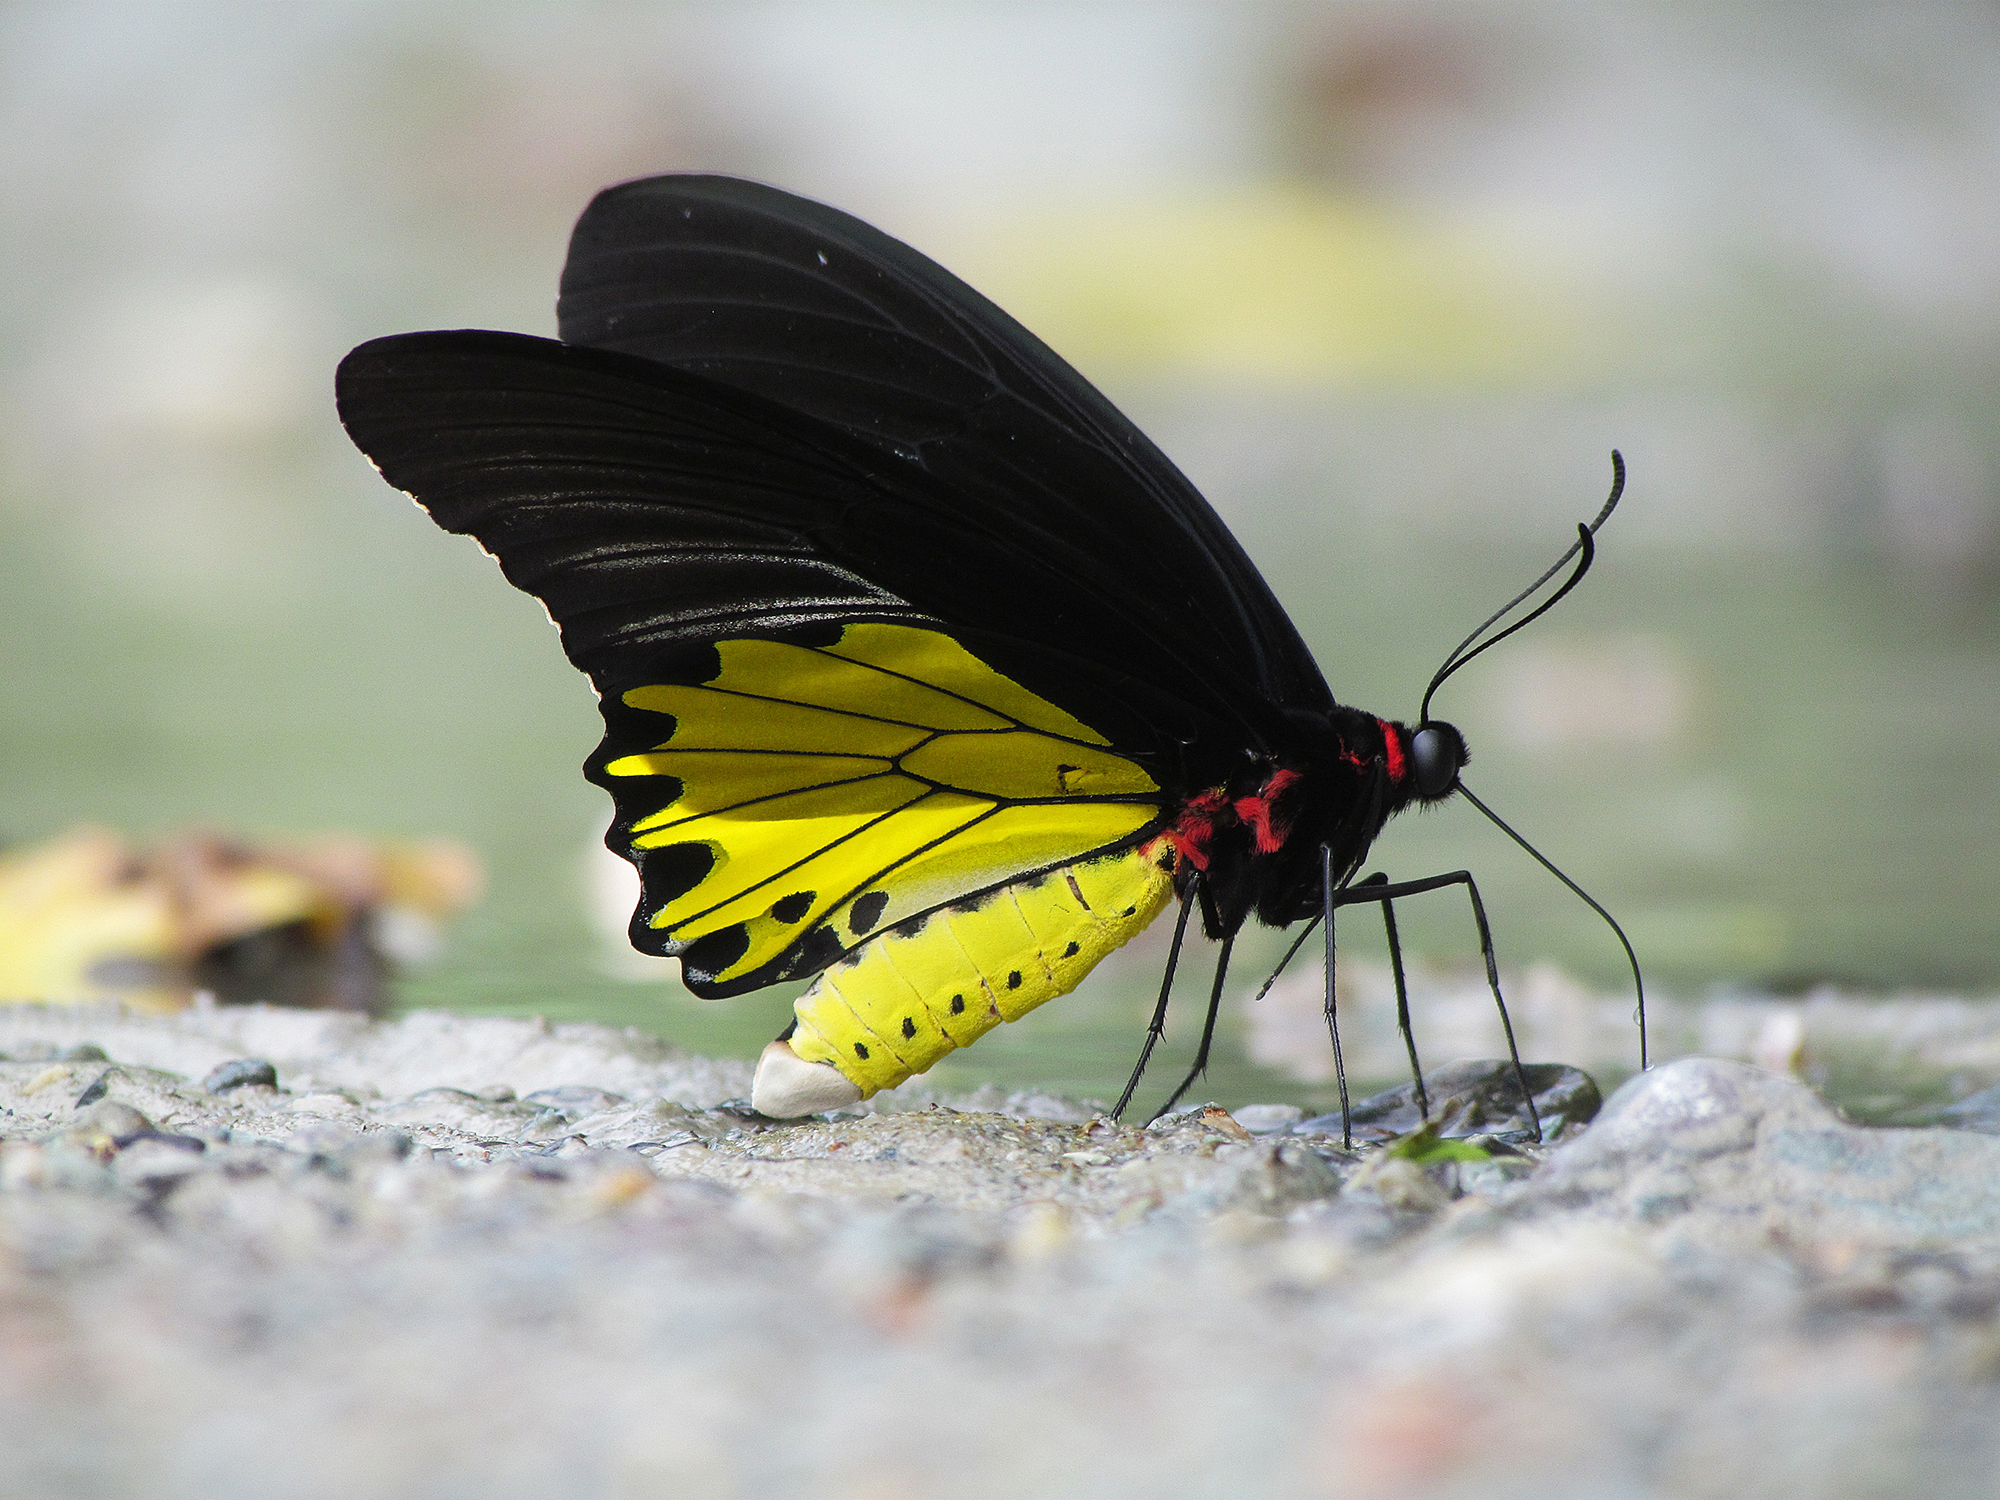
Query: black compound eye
pixel 1439 753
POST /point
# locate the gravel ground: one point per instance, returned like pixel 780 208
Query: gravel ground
pixel 443 1257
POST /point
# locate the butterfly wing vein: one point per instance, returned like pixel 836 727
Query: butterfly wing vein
pixel 805 797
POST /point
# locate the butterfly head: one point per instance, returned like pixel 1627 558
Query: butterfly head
pixel 1437 755
pixel 1403 766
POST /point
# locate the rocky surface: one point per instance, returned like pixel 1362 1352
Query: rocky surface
pixel 1909 1049
pixel 446 1257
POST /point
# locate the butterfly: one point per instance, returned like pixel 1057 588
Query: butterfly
pixel 922 670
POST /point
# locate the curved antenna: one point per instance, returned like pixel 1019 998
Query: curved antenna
pixel 1584 542
pixel 1455 660
pixel 1638 982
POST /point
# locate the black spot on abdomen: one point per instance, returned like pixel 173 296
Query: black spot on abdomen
pixel 958 1005
pixel 1070 951
pixel 1014 980
pixel 909 1028
pixel 861 1050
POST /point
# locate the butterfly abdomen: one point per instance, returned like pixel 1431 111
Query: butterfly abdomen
pixel 905 999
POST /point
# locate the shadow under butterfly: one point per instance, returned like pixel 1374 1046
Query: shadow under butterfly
pixel 922 670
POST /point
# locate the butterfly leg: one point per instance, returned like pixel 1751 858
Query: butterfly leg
pixel 1402 994
pixel 1387 893
pixel 1159 1022
pixel 1493 983
pixel 1207 1030
pixel 1332 1009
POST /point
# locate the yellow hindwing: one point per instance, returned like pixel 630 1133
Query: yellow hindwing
pixel 840 790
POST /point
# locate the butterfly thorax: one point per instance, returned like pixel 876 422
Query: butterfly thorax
pixel 1253 842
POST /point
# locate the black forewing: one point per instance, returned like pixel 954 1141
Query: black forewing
pixel 795 301
pixel 628 512
pixel 652 509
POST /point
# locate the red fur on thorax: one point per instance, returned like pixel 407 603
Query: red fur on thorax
pixel 1212 810
pixel 1256 811
pixel 1393 744
pixel 1197 824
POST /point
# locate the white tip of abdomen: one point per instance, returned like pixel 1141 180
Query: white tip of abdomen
pixel 787 1086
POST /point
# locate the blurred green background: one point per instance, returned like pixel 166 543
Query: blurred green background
pixel 1388 280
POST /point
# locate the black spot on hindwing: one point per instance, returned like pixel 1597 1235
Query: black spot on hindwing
pixel 706 957
pixel 867 912
pixel 794 907
pixel 672 872
pixel 817 948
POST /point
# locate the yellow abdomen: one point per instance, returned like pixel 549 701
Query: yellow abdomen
pixel 899 1003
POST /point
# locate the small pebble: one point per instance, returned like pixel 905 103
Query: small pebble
pixel 1215 1117
pixel 95 1089
pixel 1268 1119
pixel 1401 1185
pixel 1475 1097
pixel 106 1126
pixel 550 1121
pixel 654 1148
pixel 239 1072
